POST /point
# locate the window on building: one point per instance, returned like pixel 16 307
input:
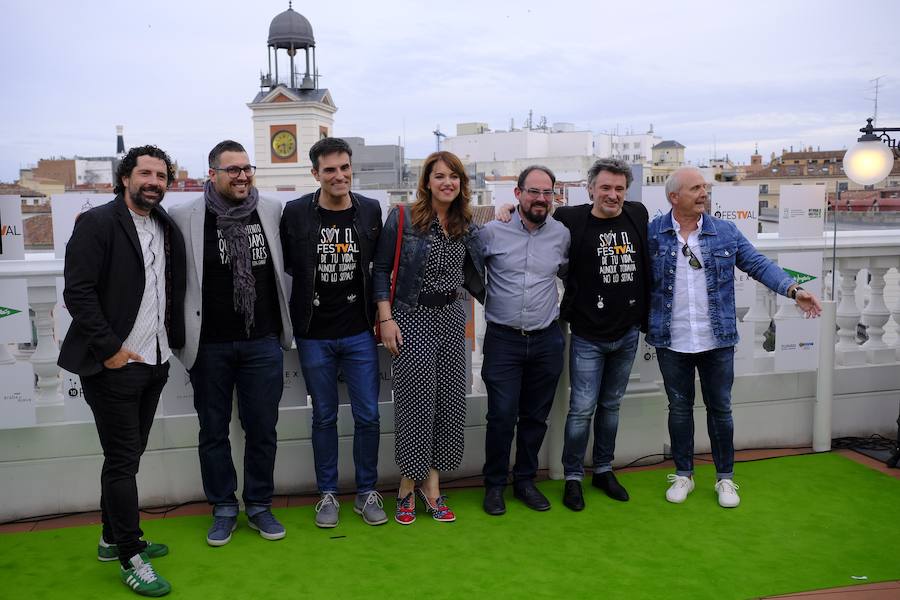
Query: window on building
pixel 843 185
pixel 764 188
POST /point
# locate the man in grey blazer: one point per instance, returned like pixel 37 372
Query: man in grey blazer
pixel 236 324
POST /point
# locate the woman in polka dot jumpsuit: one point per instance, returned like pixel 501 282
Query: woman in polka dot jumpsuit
pixel 424 329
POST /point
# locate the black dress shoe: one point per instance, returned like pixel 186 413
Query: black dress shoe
pixel 572 497
pixel 609 484
pixel 530 495
pixel 493 501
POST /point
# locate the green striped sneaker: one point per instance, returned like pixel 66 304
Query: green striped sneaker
pixel 109 552
pixel 142 579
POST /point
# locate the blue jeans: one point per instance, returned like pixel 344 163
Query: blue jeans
pixel 716 369
pixel 256 369
pixel 520 373
pixel 356 358
pixel 599 374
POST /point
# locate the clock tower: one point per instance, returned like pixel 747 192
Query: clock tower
pixel 290 112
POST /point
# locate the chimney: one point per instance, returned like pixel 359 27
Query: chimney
pixel 120 141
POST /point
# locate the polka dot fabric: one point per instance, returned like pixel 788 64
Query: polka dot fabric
pixel 430 372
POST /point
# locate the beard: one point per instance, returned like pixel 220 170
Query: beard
pixel 537 219
pixel 144 203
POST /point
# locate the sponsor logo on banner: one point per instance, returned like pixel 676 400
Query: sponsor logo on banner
pixel 8 312
pixel 734 215
pixel 815 213
pixel 8 230
pixel 799 277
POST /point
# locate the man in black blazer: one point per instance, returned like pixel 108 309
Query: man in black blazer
pixel 124 287
pixel 606 304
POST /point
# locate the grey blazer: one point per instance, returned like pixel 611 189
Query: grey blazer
pixel 189 218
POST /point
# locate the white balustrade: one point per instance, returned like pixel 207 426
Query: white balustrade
pixel 876 314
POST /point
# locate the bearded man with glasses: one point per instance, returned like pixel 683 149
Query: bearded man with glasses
pixel 523 342
pixel 236 325
pixel 694 326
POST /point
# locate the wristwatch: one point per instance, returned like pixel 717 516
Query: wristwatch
pixel 794 292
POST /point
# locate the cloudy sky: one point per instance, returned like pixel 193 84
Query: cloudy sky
pixel 708 74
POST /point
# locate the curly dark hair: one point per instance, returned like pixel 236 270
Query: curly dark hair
pixel 127 165
pixel 616 166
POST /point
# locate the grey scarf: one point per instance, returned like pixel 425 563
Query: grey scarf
pixel 232 219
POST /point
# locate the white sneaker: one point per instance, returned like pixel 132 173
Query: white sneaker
pixel 727 490
pixel 680 488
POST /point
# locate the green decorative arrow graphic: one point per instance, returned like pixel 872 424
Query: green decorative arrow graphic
pixel 8 312
pixel 799 277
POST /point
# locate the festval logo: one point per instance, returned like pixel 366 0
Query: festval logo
pixel 8 312
pixel 799 277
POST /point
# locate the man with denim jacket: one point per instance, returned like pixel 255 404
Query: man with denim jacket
pixel 329 239
pixel 694 326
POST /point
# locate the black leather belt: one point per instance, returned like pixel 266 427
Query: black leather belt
pixel 525 332
pixel 437 299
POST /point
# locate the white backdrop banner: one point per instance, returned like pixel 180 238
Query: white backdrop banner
pixel 801 211
pixel 739 205
pixel 654 198
pixel 12 233
pixel 15 324
pixel 796 338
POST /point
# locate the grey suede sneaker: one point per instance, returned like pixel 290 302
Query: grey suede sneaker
pixel 327 511
pixel 371 506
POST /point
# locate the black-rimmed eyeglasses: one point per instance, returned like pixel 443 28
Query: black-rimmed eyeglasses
pixel 692 260
pixel 233 172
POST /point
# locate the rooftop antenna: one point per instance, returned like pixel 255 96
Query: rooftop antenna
pixel 438 134
pixel 877 85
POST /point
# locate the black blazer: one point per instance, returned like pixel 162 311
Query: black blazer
pixel 576 219
pixel 104 282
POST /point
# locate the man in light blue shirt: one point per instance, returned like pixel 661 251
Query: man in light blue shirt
pixel 523 344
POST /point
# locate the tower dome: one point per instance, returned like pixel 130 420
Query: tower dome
pixel 290 30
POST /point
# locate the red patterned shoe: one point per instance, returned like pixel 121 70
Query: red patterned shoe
pixel 406 510
pixel 438 509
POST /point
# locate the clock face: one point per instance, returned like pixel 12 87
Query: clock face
pixel 284 144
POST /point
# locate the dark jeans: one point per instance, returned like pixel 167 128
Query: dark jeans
pixel 256 369
pixel 356 358
pixel 716 370
pixel 123 402
pixel 520 373
pixel 599 373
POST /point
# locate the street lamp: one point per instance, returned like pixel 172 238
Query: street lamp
pixel 872 158
pixel 867 163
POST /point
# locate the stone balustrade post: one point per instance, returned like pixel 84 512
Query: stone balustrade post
pixel 847 350
pixel 49 405
pixel 876 314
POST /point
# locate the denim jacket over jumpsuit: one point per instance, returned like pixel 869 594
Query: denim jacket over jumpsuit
pixel 414 250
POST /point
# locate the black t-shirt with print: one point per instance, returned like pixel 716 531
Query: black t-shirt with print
pixel 221 323
pixel 610 296
pixel 338 302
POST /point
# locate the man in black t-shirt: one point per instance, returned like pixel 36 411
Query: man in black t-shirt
pixel 236 325
pixel 606 305
pixel 329 239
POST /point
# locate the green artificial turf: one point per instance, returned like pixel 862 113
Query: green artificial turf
pixel 805 522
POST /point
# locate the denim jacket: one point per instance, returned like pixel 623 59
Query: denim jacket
pixel 722 248
pixel 414 250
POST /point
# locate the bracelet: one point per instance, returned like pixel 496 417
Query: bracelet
pixel 794 292
pixel 385 321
